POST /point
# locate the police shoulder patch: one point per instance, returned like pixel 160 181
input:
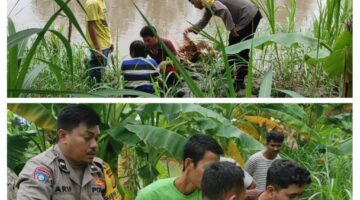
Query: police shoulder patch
pixel 42 174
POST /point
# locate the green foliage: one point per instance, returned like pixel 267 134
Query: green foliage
pixel 285 39
pixel 145 138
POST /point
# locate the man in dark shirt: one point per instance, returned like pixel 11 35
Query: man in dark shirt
pixel 153 46
pixel 241 18
pixel 159 54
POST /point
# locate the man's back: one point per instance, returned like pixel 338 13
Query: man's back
pixel 96 12
pixel 242 11
pixel 139 73
pixel 164 189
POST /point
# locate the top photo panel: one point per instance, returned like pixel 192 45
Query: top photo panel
pixel 179 48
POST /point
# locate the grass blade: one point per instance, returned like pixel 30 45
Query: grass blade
pixel 18 37
pixel 265 87
pixel 55 69
pixel 71 16
pixel 32 75
pixel 25 66
pixel 290 93
pixel 68 51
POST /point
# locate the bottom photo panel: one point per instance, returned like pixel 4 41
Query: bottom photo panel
pixel 179 151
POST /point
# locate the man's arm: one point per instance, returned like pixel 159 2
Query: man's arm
pixel 93 36
pixel 250 166
pixel 35 182
pixel 249 181
pixel 201 24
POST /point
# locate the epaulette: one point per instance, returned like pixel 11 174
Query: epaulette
pixel 97 165
pixel 49 157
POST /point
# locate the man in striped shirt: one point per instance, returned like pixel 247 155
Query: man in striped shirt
pixel 139 72
pixel 259 163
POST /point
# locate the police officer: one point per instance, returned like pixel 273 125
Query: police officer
pixel 69 170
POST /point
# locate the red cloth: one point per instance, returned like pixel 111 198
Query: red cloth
pixel 160 55
pixel 170 69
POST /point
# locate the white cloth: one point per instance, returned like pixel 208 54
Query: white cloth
pixel 248 179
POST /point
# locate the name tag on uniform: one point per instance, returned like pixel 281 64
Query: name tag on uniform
pixel 98 185
pixel 63 189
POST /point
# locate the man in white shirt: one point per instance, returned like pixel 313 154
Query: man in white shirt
pixel 259 163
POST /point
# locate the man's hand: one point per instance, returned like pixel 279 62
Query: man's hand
pixel 187 31
pixel 234 33
pixel 112 48
pixel 98 54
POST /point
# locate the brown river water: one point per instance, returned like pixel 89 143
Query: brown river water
pixel 169 17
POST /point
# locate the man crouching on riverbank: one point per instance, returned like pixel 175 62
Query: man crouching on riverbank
pixel 241 18
pixel 98 36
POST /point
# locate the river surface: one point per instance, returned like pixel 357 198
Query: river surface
pixel 169 17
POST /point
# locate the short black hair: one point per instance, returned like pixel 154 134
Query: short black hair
pixel 221 178
pixel 147 32
pixel 138 49
pixel 72 115
pixel 198 144
pixel 283 173
pixel 274 136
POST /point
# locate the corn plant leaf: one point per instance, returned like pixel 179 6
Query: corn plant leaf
pixel 18 37
pixel 286 39
pixel 26 64
pixel 266 84
pixel 290 93
pixel 82 93
pixel 68 53
pixel 32 75
pixel 335 64
pixel 70 14
pixel 56 70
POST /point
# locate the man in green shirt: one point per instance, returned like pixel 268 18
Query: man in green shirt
pixel 200 151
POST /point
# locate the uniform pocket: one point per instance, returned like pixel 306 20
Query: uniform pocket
pixel 62 196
